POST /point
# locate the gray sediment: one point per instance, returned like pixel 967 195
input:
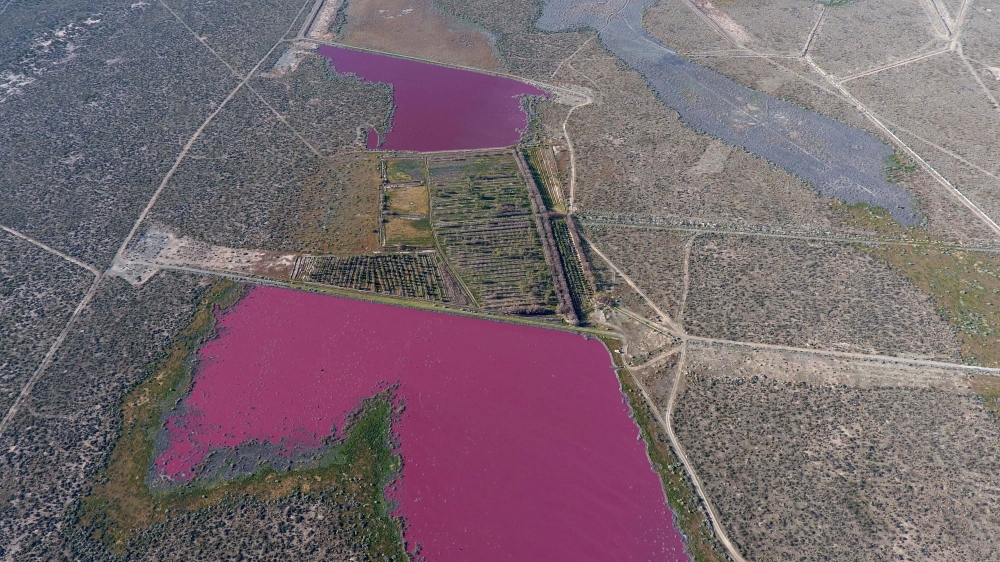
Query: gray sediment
pixel 838 160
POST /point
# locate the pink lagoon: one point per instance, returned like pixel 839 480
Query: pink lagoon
pixel 439 107
pixel 517 443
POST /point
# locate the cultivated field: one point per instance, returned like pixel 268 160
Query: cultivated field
pixel 402 274
pixel 404 170
pixel 406 208
pixel 483 223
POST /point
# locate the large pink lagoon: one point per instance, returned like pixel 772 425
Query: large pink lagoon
pixel 438 107
pixel 516 442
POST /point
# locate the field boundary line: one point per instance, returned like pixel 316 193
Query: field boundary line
pixel 51 250
pixel 848 355
pixel 381 298
pixel 814 31
pixel 806 237
pixel 890 66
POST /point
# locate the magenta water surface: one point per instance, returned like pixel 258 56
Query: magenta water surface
pixel 438 107
pixel 517 443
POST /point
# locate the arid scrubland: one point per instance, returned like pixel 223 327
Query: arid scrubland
pixel 35 303
pixel 64 432
pixel 806 457
pixel 654 258
pixel 810 294
pixel 251 182
pixel 332 112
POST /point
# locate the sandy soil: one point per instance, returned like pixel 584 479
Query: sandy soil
pixel 161 245
pixel 413 27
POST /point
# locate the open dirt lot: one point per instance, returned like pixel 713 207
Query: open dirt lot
pixel 407 200
pixel 829 460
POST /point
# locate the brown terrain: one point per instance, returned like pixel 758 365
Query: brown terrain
pixel 418 29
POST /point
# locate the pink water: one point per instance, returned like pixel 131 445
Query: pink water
pixel 437 107
pixel 516 441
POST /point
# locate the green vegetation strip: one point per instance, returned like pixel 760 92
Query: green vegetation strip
pixel 965 284
pixel 689 517
pixel 120 506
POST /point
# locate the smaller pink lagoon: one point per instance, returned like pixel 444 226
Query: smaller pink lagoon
pixel 439 107
pixel 517 442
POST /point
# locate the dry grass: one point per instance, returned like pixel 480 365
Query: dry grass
pixel 415 28
pixel 336 211
pixel 407 200
pixel 408 232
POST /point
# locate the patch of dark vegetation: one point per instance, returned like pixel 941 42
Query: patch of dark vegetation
pixel 897 165
pixel 579 289
pixel 402 274
pixel 535 165
pixel 125 516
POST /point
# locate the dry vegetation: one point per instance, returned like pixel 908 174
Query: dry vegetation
pixel 801 465
pixel 407 200
pixel 654 259
pixel 809 294
pixel 857 36
pixel 404 232
pixel 38 292
pixel 406 213
pixel 336 210
pixel 417 29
